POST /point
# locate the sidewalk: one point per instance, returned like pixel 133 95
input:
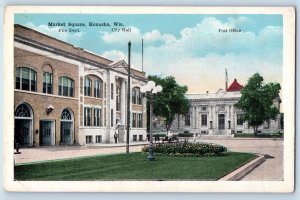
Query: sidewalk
pixel 41 154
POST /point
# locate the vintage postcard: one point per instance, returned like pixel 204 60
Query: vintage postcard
pixel 149 99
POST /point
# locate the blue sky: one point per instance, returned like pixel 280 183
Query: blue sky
pixel 189 47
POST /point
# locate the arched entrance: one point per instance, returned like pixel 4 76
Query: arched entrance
pixel 23 125
pixel 66 126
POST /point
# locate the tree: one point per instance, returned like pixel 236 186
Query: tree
pixel 170 101
pixel 257 101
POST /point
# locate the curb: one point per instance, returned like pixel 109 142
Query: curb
pixel 244 170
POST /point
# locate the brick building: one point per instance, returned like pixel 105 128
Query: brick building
pixel 65 95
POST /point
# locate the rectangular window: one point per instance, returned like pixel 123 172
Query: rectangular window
pixel 98 138
pixel 112 118
pixel 47 83
pixel 118 99
pixel 98 88
pixel 97 117
pixel 187 120
pixel 112 91
pixel 134 138
pixel 140 120
pixel 87 87
pixel 140 137
pixel 66 87
pixel 239 119
pixel 134 120
pixel 25 79
pixel 88 139
pixel 204 120
pixel 87 116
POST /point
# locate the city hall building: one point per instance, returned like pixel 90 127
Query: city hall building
pixel 215 114
pixel 65 95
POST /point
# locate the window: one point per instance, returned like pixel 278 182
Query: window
pixel 88 139
pixel 97 117
pixel 87 86
pixel 25 79
pixel 98 88
pixel 140 137
pixel 134 120
pixel 111 117
pixel 112 91
pixel 47 83
pixel 98 138
pixel 140 120
pixel 134 138
pixel 187 120
pixel 133 96
pixel 239 120
pixel 66 87
pixel 87 116
pixel 204 120
pixel 139 97
pixel 118 99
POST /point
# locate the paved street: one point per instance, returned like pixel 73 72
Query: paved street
pixel 271 169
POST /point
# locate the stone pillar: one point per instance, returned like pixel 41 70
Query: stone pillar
pixel 123 102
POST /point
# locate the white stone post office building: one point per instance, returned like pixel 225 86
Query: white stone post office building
pixel 215 114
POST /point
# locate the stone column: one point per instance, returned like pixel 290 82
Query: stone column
pixel 123 102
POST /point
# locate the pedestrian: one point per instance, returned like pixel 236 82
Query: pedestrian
pixel 116 137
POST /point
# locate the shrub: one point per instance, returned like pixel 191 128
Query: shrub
pixel 187 149
pixel 185 135
pixel 160 134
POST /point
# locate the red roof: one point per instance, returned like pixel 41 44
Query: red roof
pixel 235 86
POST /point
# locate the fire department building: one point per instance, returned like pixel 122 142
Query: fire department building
pixel 65 95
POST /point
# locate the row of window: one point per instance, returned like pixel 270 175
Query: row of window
pixel 97 115
pixel 26 80
pixel 89 139
pixel 239 120
pixel 97 85
pixel 137 120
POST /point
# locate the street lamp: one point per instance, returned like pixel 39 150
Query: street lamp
pixel 150 90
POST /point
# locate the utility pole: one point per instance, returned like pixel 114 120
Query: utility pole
pixel 128 100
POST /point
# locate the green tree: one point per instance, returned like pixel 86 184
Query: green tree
pixel 257 101
pixel 170 101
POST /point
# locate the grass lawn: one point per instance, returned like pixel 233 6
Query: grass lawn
pixel 133 166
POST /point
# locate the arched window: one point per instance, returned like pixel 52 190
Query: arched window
pixel 66 115
pixel 136 96
pixel 25 79
pixel 98 88
pixel 87 86
pixel 23 111
pixel 66 87
pixel 133 96
pixel 47 79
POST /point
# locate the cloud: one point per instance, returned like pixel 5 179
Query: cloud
pixel 135 35
pixel 199 57
pixel 114 55
pixel 54 32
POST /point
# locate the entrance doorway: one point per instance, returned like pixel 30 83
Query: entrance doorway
pixel 23 125
pixel 46 133
pixel 221 121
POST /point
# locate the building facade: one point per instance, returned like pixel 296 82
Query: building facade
pixel 215 114
pixel 65 95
